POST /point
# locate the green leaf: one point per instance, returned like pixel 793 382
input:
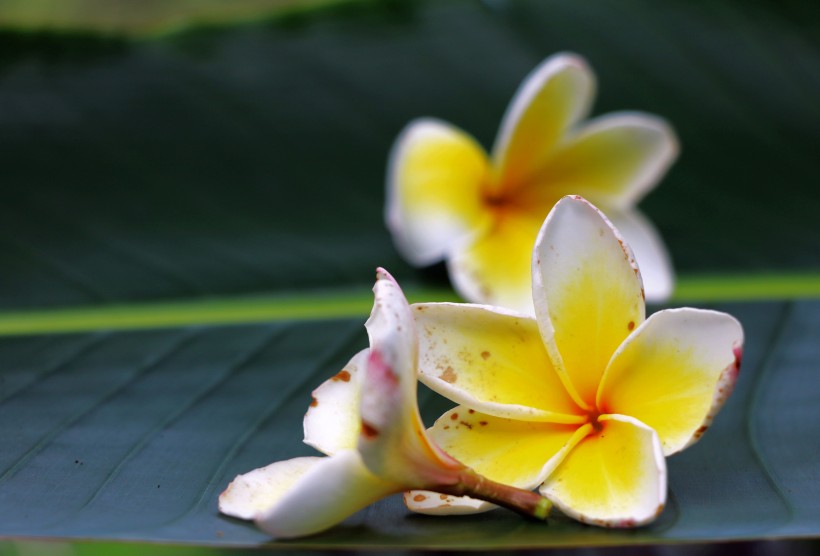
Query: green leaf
pixel 132 435
pixel 252 160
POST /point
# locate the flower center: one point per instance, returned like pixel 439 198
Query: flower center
pixel 495 200
pixel 592 419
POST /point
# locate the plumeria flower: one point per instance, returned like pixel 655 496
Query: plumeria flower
pixel 587 398
pixel 446 199
pixel 366 420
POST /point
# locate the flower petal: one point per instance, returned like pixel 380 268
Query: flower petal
pixel 554 96
pixel 257 490
pixel 496 269
pixel 434 190
pixel 508 451
pixel 612 161
pixel 391 331
pixel 517 453
pixel 393 443
pixel 650 253
pixel 433 503
pixel 674 373
pixel 332 489
pixel 492 360
pixel 333 421
pixel 587 292
pixel 616 476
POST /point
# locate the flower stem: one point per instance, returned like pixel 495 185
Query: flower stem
pixel 524 502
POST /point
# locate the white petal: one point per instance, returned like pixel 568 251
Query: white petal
pixel 432 503
pixel 393 442
pixel 330 491
pixel 392 332
pixel 257 490
pixel 333 420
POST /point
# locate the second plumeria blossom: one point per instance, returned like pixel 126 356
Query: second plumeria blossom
pixel 446 199
pixel 366 420
pixel 586 399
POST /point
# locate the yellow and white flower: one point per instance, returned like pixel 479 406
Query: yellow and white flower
pixel 446 199
pixel 586 399
pixel 366 420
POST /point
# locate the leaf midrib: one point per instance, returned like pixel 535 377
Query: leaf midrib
pixel 348 303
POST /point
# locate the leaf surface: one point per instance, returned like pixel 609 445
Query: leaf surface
pixel 164 419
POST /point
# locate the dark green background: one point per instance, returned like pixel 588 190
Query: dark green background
pixel 249 160
pixel 252 159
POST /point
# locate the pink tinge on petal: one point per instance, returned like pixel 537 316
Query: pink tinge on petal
pixel 383 398
pixel 393 442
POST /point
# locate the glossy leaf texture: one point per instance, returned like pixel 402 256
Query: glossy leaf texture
pixel 252 159
pixel 132 435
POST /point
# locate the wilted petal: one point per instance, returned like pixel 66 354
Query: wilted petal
pixel 612 161
pixel 674 373
pixel 496 268
pixel 332 489
pixel 434 503
pixel 392 442
pixel 587 292
pixel 257 490
pixel 391 331
pixel 649 250
pixel 434 190
pixel 552 98
pixel 492 360
pixel 615 477
pixel 333 420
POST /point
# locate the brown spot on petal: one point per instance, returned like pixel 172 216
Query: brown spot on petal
pixel 343 375
pixel 369 431
pixel 631 325
pixel 443 496
pixel 471 411
pixel 466 424
pixel 454 416
pixel 419 498
pixel 700 431
pixel 483 423
pixel 314 402
pixel 485 355
pixel 449 375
